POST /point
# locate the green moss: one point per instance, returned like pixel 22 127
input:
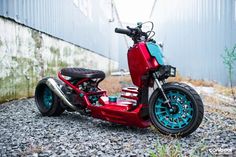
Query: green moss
pixel 50 72
pixel 62 64
pixel 55 51
pixel 51 68
pixel 14 88
pixel 52 64
pixel 37 38
pixel 5 83
pixel 23 60
pixel 19 88
pixel 33 84
pixel 19 82
pixel 22 64
pixel 57 63
pixel 5 98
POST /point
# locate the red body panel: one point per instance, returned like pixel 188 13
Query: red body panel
pixel 140 62
pixel 120 112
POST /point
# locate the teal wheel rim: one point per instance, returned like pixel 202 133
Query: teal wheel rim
pixel 177 117
pixel 47 98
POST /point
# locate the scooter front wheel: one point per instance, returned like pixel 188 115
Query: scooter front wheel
pixel 47 102
pixel 185 114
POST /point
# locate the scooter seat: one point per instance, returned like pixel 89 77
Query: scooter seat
pixel 82 73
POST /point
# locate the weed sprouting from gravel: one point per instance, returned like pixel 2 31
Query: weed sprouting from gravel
pixel 167 150
pixel 174 149
pixel 31 150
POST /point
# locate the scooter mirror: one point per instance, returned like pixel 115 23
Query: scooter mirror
pixel 139 24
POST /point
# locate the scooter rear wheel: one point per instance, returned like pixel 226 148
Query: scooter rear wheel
pixel 185 115
pixel 47 102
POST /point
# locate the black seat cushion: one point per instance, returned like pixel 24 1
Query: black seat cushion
pixel 82 73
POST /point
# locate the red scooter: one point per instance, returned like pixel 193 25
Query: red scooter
pixel 173 108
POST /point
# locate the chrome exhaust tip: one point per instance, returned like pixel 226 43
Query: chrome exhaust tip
pixel 51 83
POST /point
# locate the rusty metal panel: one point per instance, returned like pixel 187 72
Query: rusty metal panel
pixel 195 34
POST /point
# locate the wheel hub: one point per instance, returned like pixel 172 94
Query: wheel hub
pixel 180 113
pixel 47 98
pixel 174 109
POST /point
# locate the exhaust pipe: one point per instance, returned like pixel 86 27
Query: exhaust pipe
pixel 51 83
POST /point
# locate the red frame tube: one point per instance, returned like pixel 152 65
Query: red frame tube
pixel 77 90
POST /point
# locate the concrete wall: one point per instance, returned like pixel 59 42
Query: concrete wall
pixel 27 55
pixel 87 23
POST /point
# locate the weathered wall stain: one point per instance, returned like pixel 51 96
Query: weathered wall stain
pixel 1 43
pixel 37 37
pixel 27 55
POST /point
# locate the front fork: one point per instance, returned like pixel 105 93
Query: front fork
pixel 167 102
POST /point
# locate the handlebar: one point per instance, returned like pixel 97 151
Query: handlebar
pixel 123 31
pixel 136 33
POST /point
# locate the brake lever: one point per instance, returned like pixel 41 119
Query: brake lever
pixel 129 27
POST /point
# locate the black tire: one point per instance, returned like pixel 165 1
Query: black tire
pixel 55 109
pixel 197 110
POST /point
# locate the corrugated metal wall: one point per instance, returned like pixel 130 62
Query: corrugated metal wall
pixel 81 22
pixel 195 34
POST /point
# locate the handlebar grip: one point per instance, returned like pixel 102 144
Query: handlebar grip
pixel 122 31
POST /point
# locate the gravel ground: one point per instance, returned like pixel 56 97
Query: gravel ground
pixel 24 132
